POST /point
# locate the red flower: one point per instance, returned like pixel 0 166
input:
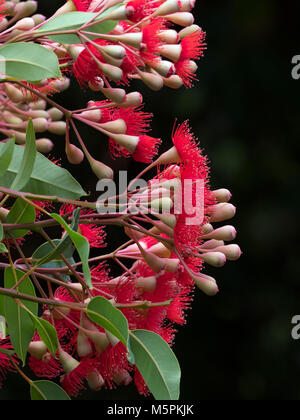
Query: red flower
pixel 142 9
pixel 5 363
pixel 82 5
pixel 150 52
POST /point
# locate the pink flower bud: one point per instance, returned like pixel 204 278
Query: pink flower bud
pixel 168 7
pixel 171 156
pixel 25 8
pixel 132 100
pixel 74 154
pixel 232 252
pixel 225 233
pixel 171 51
pixel 38 19
pixel 188 31
pixel 37 349
pixel 84 347
pixel 181 18
pixel 164 68
pixel 211 244
pixel 57 127
pixel 114 94
pixel 68 362
pixel 55 114
pixel 113 72
pixel 101 170
pixel 187 5
pixel 222 195
pixel 133 39
pixel 174 82
pixel 40 125
pixel 44 146
pixel 94 115
pixel 14 94
pixel 153 81
pixel 160 250
pixel 117 126
pixel 66 8
pixel 40 105
pixel 147 284
pixel 216 259
pixel 207 284
pixel 169 36
pixel 95 381
pixel 222 212
pixel 115 51
pixel 25 24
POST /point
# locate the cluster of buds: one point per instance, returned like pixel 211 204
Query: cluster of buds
pixel 18 107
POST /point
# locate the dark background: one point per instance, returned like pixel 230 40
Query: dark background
pixel 245 110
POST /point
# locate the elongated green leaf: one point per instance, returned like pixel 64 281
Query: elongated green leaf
pixel 76 20
pixel 20 325
pixel 29 62
pixel 21 213
pixel 103 313
pixel 81 244
pixel 6 156
pixel 157 364
pixel 47 391
pixel 46 250
pixel 47 334
pixel 28 160
pixel 46 178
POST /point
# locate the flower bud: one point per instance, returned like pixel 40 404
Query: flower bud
pixel 55 114
pixel 112 339
pixel 8 8
pixel 38 19
pixel 232 252
pixel 95 381
pixel 216 259
pixel 113 72
pixel 25 24
pixel 222 212
pixel 160 250
pixel 222 195
pixel 74 154
pixel 25 8
pixel 172 52
pixel 162 205
pixel 168 7
pixel 117 126
pixel 115 51
pixel 120 13
pixel 171 265
pixel 173 82
pixel 132 100
pixel 14 94
pixel 116 95
pixel 44 146
pixel 171 156
pixel 84 347
pixel 133 39
pixel 225 233
pixel 211 244
pixel 101 170
pixel 37 349
pixel 188 31
pixel 57 127
pixel 11 118
pixel 169 36
pixel 181 18
pixel 67 361
pixel 147 284
pixel 38 114
pixel 164 68
pixel 187 5
pixel 66 8
pixel 168 219
pixel 38 105
pixel 3 214
pixel 207 228
pixel 122 378
pixel 40 125
pixel 153 81
pixel 205 283
pixel 3 24
pixel 94 115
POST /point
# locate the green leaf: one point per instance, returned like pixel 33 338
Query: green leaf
pixel 29 62
pixel 47 391
pixel 82 246
pixel 21 213
pixel 29 157
pixel 75 20
pixel 20 325
pixel 46 178
pixel 103 313
pixel 56 262
pixel 3 248
pixel 6 155
pixel 157 364
pixel 47 334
